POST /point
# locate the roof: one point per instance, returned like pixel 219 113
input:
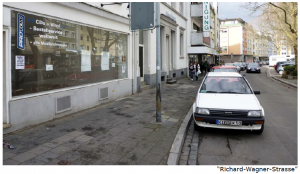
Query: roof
pixel 231 19
pixel 224 67
pixel 223 74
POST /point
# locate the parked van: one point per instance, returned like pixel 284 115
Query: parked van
pixel 276 58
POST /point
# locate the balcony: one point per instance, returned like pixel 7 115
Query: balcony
pixel 196 10
pixel 196 38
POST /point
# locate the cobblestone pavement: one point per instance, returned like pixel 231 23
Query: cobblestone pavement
pixel 278 76
pixel 121 132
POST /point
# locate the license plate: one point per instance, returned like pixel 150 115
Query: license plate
pixel 253 70
pixel 227 122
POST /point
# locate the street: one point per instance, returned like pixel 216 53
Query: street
pixel 277 145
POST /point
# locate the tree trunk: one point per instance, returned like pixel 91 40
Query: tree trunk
pixel 296 54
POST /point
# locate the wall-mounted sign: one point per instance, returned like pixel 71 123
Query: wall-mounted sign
pixel 49 67
pixel 21 31
pixel 206 16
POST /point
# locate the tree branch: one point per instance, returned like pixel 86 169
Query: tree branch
pixel 292 30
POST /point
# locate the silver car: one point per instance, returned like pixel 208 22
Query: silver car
pixel 280 68
pixel 232 64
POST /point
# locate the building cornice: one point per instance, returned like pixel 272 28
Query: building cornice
pixel 171 8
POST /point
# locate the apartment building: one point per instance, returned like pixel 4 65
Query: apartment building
pixel 235 40
pixel 203 39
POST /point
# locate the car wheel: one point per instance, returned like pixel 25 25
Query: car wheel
pixel 260 131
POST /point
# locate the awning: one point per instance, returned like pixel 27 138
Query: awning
pixel 201 50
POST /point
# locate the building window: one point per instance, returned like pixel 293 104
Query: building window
pixel 88 38
pixel 37 79
pixel 224 48
pixel 195 27
pixel 67 33
pixel 181 44
pixel 224 31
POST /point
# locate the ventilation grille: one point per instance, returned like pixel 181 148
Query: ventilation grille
pixel 103 93
pixel 63 104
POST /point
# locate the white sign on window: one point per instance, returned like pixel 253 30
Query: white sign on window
pixel 49 67
pixel 105 61
pixel 113 65
pixel 20 62
pixel 206 16
pixel 85 60
pixel 123 69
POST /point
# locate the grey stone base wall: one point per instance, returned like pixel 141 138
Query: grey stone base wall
pixel 150 79
pixel 138 84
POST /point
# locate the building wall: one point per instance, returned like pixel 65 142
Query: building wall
pixel 39 107
pixel 235 39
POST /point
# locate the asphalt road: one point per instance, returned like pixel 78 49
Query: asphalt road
pixel 277 145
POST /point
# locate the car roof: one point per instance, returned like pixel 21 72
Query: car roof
pixel 223 74
pixel 224 67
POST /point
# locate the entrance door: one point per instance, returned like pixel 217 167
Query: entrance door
pixel 141 62
pixel 5 103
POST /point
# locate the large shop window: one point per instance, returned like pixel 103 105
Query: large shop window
pixel 45 57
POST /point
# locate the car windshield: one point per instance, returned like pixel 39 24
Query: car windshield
pixel 233 85
pixel 225 70
pixel 253 64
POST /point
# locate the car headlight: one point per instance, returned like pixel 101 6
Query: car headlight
pixel 202 111
pixel 257 68
pixel 249 68
pixel 254 114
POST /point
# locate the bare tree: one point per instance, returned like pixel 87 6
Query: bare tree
pixel 279 19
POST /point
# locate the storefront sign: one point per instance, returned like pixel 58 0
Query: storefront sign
pixel 85 60
pixel 21 31
pixel 105 61
pixel 206 16
pixel 20 62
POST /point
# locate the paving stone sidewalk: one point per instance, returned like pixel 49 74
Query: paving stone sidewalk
pixel 122 132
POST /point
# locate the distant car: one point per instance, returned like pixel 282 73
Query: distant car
pixel 240 64
pixel 224 69
pixel 253 67
pixel 218 104
pixel 232 64
pixel 278 63
pixel 280 68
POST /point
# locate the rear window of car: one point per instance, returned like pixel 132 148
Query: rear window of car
pixel 229 85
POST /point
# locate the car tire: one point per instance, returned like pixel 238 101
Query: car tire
pixel 260 131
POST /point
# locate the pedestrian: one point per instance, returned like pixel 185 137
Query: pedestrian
pixel 197 71
pixel 208 67
pixel 192 69
pixel 202 67
pixel 205 66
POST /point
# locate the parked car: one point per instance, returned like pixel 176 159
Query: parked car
pixel 280 68
pixel 253 67
pixel 281 62
pixel 218 104
pixel 224 69
pixel 232 64
pixel 240 64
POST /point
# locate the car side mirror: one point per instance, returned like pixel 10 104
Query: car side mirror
pixel 256 92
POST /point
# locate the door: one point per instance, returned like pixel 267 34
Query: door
pixel 141 62
pixel 4 59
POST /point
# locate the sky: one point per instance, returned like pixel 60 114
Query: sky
pixel 233 10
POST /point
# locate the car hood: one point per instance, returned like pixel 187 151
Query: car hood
pixel 228 101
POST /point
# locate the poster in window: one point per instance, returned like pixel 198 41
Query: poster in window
pixel 20 62
pixel 105 61
pixel 85 60
pixel 123 69
pixel 123 59
pixel 49 67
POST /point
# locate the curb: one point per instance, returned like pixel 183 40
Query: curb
pixel 179 139
pixel 282 81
